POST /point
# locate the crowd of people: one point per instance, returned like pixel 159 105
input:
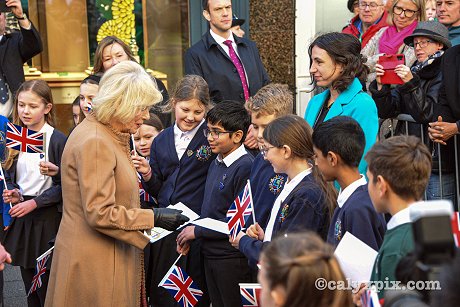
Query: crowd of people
pixel 96 194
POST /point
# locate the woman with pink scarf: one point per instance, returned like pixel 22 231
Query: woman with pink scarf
pixel 404 16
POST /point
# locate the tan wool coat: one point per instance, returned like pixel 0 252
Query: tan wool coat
pixel 98 256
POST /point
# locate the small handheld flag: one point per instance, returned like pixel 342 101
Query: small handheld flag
pixel 41 269
pixel 143 193
pixel 250 295
pixel 456 228
pixel 239 211
pixel 370 298
pixel 23 139
pixel 184 290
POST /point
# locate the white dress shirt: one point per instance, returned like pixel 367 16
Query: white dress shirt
pixel 402 217
pixel 232 157
pixel 183 139
pixel 220 41
pixel 346 193
pixel 28 176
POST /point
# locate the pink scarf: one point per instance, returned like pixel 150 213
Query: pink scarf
pixel 391 39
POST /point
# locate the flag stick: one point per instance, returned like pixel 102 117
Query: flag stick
pixel 252 200
pixel 45 254
pixel 169 271
pixel 134 145
pixel 4 181
pixel 44 151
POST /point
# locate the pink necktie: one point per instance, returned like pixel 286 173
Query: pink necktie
pixel 239 67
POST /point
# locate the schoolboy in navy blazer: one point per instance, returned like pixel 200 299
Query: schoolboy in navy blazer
pixel 266 185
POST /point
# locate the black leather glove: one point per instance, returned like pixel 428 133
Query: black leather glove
pixel 169 219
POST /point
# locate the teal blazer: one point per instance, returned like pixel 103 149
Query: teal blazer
pixel 353 102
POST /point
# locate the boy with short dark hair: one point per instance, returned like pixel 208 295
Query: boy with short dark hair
pixel 339 145
pixel 398 170
pixel 224 266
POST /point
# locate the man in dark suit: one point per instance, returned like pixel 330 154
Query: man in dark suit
pixel 231 65
pixel 15 49
pixel 211 58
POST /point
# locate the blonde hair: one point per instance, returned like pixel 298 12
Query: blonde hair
pixel 272 99
pixel 124 90
pixel 421 13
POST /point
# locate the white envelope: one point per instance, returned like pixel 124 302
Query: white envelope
pixel 158 233
pixel 356 258
pixel 213 224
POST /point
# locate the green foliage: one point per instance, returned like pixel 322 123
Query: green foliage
pixel 105 8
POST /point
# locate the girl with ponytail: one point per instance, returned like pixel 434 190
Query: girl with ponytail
pixel 296 262
pixel 306 201
pixel 337 65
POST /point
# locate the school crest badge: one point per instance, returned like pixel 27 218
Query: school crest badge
pixel 276 184
pixel 203 153
pixel 284 213
pixel 338 230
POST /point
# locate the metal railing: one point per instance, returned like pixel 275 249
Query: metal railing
pixel 406 119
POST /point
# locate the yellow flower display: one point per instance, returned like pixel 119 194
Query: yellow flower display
pixel 122 24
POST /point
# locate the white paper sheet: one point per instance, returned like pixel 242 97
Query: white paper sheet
pixel 212 224
pixel 356 258
pixel 158 233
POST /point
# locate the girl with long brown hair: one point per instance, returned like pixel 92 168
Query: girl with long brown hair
pixel 306 201
pixel 36 199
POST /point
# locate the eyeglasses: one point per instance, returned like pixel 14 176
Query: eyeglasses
pixel 264 150
pixel 355 4
pixel 397 10
pixel 215 134
pixel 372 6
pixel 421 44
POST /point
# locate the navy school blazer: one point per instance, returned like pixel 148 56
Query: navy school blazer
pixel 303 209
pixel 174 181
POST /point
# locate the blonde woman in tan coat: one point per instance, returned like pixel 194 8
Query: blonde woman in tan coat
pixel 98 256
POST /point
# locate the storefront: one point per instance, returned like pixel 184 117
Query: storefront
pixel 160 31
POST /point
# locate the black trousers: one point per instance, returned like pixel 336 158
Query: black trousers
pixel 36 298
pixel 223 277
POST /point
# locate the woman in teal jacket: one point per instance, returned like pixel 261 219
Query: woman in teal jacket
pixel 336 64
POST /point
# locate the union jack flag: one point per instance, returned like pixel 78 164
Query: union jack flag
pixel 456 228
pixel 41 269
pixel 143 193
pixel 23 139
pixel 250 295
pixel 369 298
pixel 181 287
pixel 239 211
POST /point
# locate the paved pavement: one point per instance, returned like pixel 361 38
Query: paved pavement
pixel 14 294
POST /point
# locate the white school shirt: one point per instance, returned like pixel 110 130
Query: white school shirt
pixel 28 176
pixel 346 193
pixel 232 157
pixel 288 188
pixel 402 217
pixel 183 139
